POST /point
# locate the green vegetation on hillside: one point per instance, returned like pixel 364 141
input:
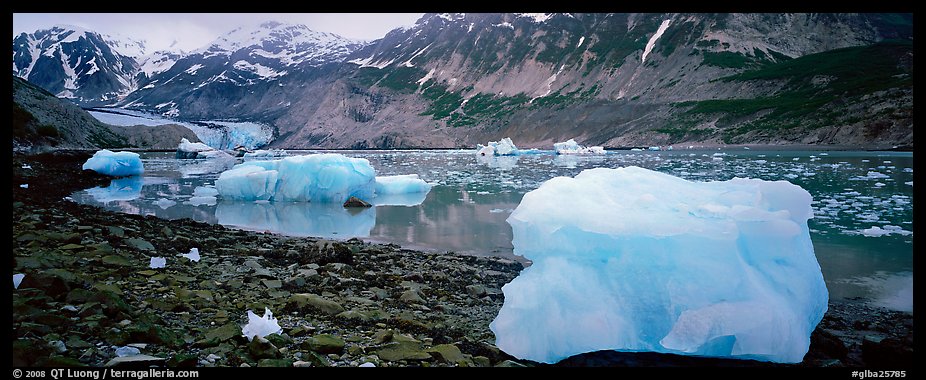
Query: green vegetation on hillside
pixel 811 83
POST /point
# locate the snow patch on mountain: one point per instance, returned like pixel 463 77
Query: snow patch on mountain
pixel 654 38
pixel 536 17
pixel 256 68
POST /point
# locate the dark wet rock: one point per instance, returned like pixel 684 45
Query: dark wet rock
pixel 887 352
pixel 325 344
pixel 261 348
pixel 136 361
pixel 510 363
pixel 317 360
pixel 221 334
pixel 315 302
pixel 411 296
pixel 402 351
pixel 182 360
pixel 364 315
pixel 356 202
pixel 827 344
pixel 476 290
pixel 117 260
pixel 447 353
pixel 139 244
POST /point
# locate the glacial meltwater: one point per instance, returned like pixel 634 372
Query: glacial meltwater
pixel 862 229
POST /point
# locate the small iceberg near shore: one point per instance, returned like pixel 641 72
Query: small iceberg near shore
pixel 115 164
pixel 503 147
pixel 572 147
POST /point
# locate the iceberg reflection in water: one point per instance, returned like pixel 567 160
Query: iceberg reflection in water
pixel 121 189
pixel 329 220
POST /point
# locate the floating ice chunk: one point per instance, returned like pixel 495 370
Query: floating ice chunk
pixel 188 149
pixel 503 147
pixel 654 148
pixel 260 326
pixel 127 351
pixel 910 183
pixel 409 199
pixel 330 178
pixel 267 153
pixel 876 231
pixel 401 184
pixel 157 262
pixel 733 275
pixel 193 255
pixel 24 186
pixel 202 201
pixel 367 364
pixel 164 203
pixel 203 191
pixel 17 279
pixel 27 166
pixel 572 147
pixel 116 164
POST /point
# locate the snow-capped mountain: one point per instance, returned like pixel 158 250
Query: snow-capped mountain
pixel 75 63
pixel 244 63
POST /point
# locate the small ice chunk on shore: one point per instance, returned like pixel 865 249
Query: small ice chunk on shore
pixel 193 255
pixel 157 262
pixel 17 279
pixel 261 326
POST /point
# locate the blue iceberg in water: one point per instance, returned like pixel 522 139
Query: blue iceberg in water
pixel 326 178
pixel 635 260
pixel 319 178
pixel 116 164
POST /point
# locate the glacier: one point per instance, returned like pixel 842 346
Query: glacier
pixel 572 147
pixel 630 259
pixel 116 164
pixel 503 147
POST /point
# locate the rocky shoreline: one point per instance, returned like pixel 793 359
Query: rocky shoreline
pixel 88 290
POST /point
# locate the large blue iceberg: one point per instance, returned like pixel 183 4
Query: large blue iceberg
pixel 319 178
pixel 116 164
pixel 635 260
pixel 326 178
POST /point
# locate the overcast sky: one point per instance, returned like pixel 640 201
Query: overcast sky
pixel 194 30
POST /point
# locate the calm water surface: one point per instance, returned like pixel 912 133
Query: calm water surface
pixel 466 209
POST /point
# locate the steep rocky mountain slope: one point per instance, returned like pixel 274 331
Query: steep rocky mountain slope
pixel 619 80
pixel 41 120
